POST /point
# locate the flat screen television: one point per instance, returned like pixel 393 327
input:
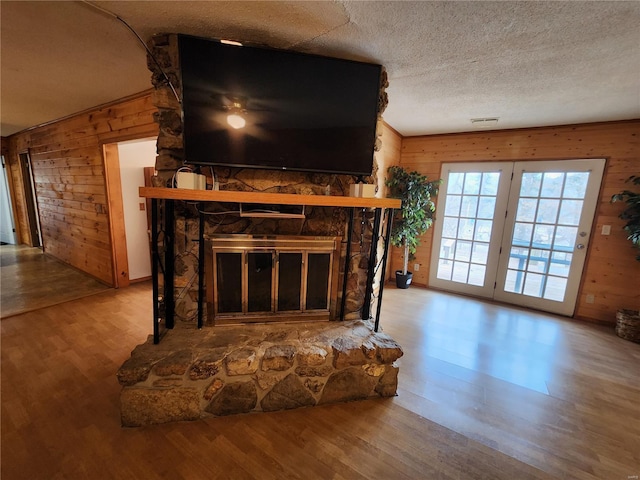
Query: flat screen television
pixel 300 112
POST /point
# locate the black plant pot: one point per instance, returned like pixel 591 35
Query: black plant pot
pixel 403 281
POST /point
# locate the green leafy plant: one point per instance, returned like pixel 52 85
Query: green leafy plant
pixel 631 213
pixel 416 213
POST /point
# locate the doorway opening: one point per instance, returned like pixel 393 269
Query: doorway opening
pixel 7 225
pixel 128 166
pixel 31 201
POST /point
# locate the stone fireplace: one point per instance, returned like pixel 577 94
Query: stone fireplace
pixel 273 285
pixel 252 278
pixel 316 221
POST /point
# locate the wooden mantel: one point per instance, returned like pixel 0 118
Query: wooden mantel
pixel 266 198
pixel 226 196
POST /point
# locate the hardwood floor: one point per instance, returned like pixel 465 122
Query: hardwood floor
pixel 30 280
pixel 485 392
pixel 560 395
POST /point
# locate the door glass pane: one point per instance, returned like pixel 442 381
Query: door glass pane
pixel 472 183
pixel 526 209
pixel 470 202
pixel 533 284
pixel 543 235
pixel 460 272
pixel 538 261
pixel 463 251
pixel 318 281
pixel 565 238
pixel 483 230
pixel 560 263
pixel 476 274
pixel 445 268
pixel 480 253
pixel 530 184
pixel 555 288
pixel 259 281
pixel 466 228
pixel 490 182
pixel 486 207
pixel 547 211
pixel 229 282
pixel 289 281
pixel 454 185
pixel 453 206
pixel 552 183
pixel 576 185
pixel 522 234
pixel 450 227
pixel 513 283
pixel 570 211
pixel 469 206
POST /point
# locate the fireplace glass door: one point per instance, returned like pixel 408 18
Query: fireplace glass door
pixel 318 268
pixel 229 280
pixel 256 279
pixel 259 281
pixel 289 282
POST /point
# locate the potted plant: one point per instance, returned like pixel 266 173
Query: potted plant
pixel 628 321
pixel 415 215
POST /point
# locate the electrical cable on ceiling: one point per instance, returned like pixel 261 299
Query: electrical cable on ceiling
pixel 164 75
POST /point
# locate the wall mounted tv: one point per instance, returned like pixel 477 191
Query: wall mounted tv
pixel 300 112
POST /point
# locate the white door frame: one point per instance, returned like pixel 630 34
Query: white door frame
pixel 507 199
pixel 578 249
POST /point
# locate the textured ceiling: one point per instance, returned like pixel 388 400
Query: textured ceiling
pixel 528 63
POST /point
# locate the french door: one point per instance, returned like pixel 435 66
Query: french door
pixel 515 232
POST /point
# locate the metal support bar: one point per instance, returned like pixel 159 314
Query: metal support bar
pixel 169 229
pixel 371 267
pixel 387 241
pixel 200 264
pixel 154 269
pixel 347 263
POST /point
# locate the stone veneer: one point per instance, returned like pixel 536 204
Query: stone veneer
pixel 228 370
pixel 318 221
pixel 238 369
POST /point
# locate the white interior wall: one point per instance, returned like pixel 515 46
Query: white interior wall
pixel 7 229
pixel 134 156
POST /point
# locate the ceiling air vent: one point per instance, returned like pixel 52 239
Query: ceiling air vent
pixel 484 122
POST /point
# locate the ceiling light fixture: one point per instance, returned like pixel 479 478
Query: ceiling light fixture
pixel 236 113
pixel 235 120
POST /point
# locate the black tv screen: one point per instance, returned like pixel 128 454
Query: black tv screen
pixel 301 112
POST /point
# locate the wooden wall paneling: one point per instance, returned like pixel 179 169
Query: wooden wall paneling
pixel 610 270
pixel 67 159
pixel 30 188
pixel 388 155
pixel 116 215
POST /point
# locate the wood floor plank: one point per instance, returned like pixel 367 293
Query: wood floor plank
pixel 468 409
pixel 479 387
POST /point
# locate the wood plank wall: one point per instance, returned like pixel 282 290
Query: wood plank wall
pixel 68 167
pixel 611 273
pixel 389 154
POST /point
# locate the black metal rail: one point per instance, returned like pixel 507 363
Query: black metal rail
pixel 168 299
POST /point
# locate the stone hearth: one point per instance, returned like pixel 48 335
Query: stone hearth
pixel 229 370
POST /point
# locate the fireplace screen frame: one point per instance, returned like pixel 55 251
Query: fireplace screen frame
pixel 275 245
